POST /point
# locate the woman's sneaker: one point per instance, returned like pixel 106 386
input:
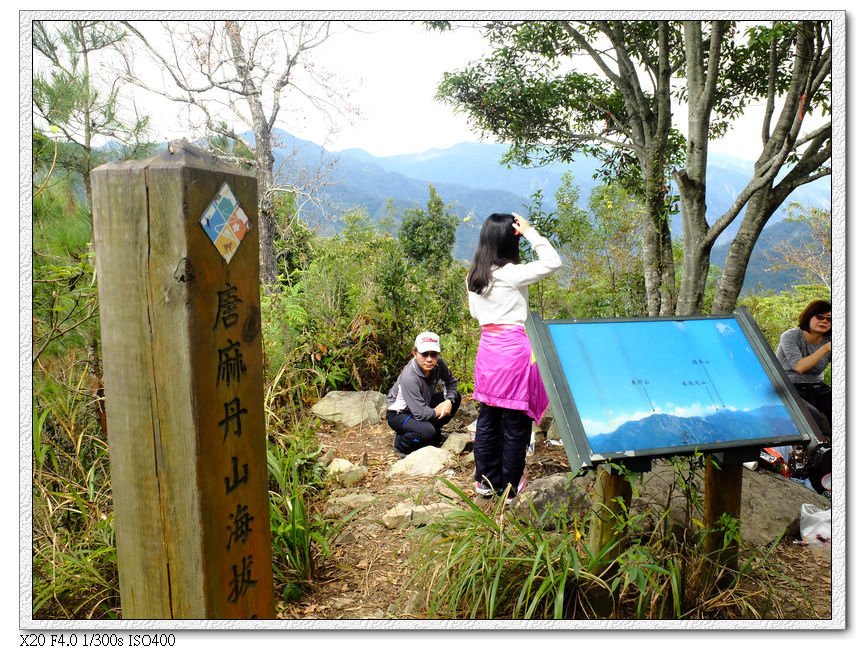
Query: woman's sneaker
pixel 524 482
pixel 483 489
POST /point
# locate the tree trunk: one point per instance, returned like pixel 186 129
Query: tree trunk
pixel 733 277
pixel 263 157
pixel 695 270
pixel 702 76
pixel 87 163
pixel 668 265
pixel 695 266
pixel 266 209
pixel 657 250
pixel 811 69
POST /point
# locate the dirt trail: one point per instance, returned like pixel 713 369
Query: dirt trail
pixel 370 563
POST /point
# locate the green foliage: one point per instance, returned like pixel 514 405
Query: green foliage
pixel 777 312
pixel 74 559
pixel 294 245
pixel 299 538
pixel 600 247
pixel 348 317
pixel 744 80
pixel 338 294
pixel 811 258
pixel 68 96
pixel 428 237
pixel 64 288
pixel 283 318
pixel 527 92
pixel 492 562
pixel 44 160
pixel 77 577
pixel 231 149
pixel 611 261
pixel 478 564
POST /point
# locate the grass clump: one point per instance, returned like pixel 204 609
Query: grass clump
pixel 490 561
pixel 74 556
pixel 482 563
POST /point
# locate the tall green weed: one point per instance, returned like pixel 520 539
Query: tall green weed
pixel 74 558
pixel 489 561
pixel 298 536
pixel 65 308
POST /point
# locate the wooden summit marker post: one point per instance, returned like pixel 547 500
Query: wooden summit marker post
pixel 177 259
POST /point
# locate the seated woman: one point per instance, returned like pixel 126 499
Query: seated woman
pixel 415 411
pixel 804 353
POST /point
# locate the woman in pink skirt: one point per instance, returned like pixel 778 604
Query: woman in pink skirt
pixel 507 380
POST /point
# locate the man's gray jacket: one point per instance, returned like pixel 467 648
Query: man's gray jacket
pixel 413 391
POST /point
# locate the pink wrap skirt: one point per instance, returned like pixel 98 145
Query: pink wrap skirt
pixel 506 374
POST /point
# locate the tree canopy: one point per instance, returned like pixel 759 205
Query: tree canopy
pixel 533 91
pixel 71 100
pixel 258 71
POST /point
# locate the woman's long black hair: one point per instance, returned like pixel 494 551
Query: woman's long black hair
pixel 498 245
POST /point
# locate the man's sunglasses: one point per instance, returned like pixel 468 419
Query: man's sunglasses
pixel 429 354
pixel 828 319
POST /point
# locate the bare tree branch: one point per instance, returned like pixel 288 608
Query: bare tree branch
pixel 241 73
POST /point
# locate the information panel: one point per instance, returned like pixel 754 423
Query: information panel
pixel 644 388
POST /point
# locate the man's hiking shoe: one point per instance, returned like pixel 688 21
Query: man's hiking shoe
pixel 483 489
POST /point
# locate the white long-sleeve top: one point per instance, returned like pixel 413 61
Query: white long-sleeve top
pixel 506 299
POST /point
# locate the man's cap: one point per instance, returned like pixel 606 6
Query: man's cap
pixel 427 342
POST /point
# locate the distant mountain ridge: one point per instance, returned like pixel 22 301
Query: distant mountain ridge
pixel 660 431
pixel 470 178
pixel 761 273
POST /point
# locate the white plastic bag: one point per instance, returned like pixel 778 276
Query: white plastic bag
pixel 815 526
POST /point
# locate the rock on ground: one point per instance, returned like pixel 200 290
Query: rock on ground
pixel 346 472
pixel 351 408
pixel 457 443
pixel 770 502
pixel 408 513
pixel 426 461
pixel 554 493
pixel 340 505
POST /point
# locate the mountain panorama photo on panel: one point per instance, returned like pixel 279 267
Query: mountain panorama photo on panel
pixel 661 384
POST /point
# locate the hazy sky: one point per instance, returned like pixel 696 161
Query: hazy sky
pixel 395 67
pixel 398 65
pixel 390 70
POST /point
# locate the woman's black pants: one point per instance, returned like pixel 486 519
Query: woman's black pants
pixel 501 439
pixel 819 397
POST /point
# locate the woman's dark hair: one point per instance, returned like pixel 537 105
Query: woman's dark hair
pixel 498 245
pixel 814 307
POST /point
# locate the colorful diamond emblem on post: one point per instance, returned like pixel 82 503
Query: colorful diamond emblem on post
pixel 225 222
